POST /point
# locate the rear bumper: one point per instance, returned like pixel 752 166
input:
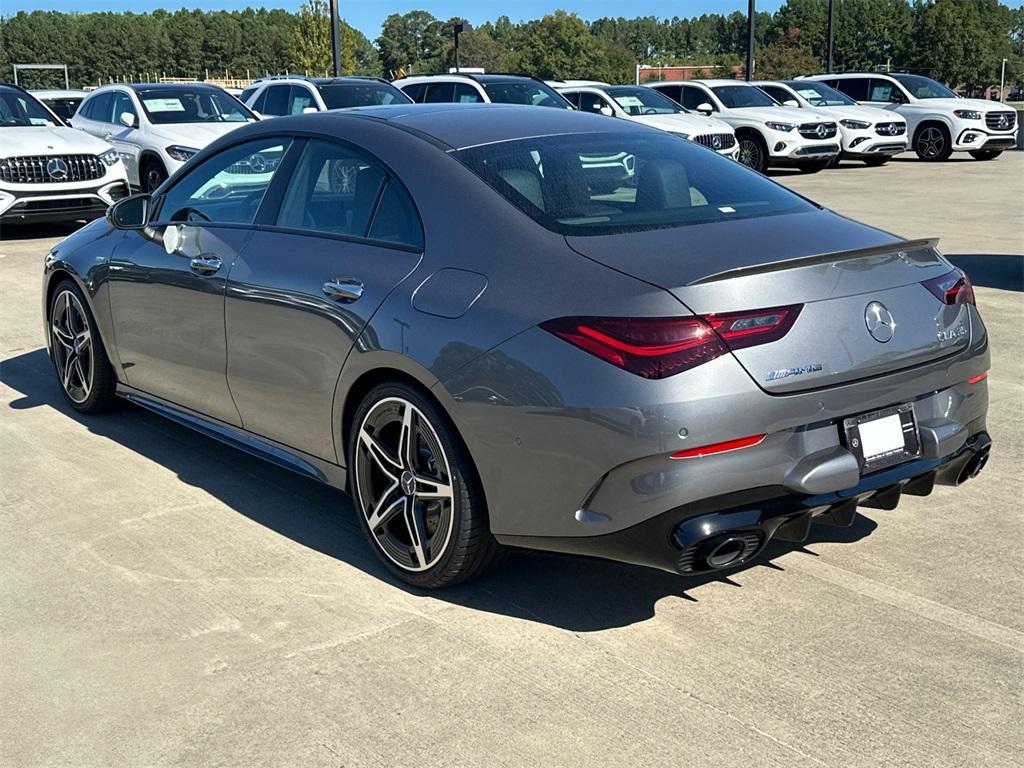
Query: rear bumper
pixel 683 540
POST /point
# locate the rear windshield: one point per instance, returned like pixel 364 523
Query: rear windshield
pixel 361 95
pixel 607 183
pixel 528 92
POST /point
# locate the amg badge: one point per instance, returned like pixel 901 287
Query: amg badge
pixel 784 373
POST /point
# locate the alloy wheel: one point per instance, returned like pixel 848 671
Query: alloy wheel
pixel 750 153
pixel 403 483
pixel 72 346
pixel 931 142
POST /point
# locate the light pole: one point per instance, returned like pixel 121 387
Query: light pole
pixel 828 63
pixel 335 38
pixel 457 30
pixel 750 39
pixel 1002 82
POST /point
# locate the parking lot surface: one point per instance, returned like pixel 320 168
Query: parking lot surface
pixel 166 600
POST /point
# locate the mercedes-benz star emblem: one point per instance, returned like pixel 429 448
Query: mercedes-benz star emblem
pixel 716 141
pixel 408 483
pixel 57 168
pixel 879 322
pixel 822 131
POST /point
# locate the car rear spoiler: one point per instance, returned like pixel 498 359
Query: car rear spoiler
pixel 901 246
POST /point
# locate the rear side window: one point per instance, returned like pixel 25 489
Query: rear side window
pixel 597 184
pixel 338 190
pixel 99 108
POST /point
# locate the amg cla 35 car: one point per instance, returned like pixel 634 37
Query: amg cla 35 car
pixel 433 308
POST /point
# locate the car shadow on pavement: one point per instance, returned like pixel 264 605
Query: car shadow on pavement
pixel 572 593
pixel 33 231
pixel 991 270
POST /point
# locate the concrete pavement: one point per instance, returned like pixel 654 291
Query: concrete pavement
pixel 168 601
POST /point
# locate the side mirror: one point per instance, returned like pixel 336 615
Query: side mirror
pixel 606 110
pixel 790 103
pixel 127 119
pixel 705 109
pixel 129 212
pixel 309 110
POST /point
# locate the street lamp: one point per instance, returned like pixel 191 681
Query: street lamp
pixel 335 38
pixel 457 30
pixel 750 40
pixel 1002 82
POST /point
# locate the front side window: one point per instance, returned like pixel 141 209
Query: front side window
pixel 527 92
pixel 226 188
pixel 635 100
pixel 820 95
pixel 884 91
pixel 165 106
pixel 440 93
pixel 245 95
pixel 18 109
pixel 367 94
pixel 693 97
pixel 742 96
pixel 338 190
pixel 598 184
pixel 924 87
pixel 591 102
pixel 123 104
pixel 779 94
pixel 299 100
pixel 467 94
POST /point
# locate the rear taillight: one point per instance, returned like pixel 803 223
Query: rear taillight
pixel 659 347
pixel 951 288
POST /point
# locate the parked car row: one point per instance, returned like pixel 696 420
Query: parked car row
pixel 806 123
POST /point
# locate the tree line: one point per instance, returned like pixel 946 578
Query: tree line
pixel 960 42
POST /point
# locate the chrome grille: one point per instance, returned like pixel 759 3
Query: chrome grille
pixel 716 140
pixel 1000 121
pixel 817 130
pixel 50 169
pixel 891 129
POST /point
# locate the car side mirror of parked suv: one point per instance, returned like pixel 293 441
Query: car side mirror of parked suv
pixel 790 103
pixel 130 212
pixel 704 108
pixel 127 119
pixel 607 111
pixel 309 110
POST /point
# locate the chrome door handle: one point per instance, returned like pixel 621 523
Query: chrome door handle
pixel 205 265
pixel 344 288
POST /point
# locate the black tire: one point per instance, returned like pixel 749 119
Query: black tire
pixel 753 151
pixel 985 154
pixel 469 549
pixel 815 165
pixel 153 175
pixel 876 162
pixel 80 360
pixel 932 143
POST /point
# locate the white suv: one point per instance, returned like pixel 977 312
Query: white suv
pixel 939 121
pixel 647 106
pixel 156 128
pixel 49 172
pixel 293 94
pixel 866 133
pixel 465 88
pixel 768 134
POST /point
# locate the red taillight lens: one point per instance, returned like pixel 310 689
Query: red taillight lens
pixel 951 288
pixel 659 347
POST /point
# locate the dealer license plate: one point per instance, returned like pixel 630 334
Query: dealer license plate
pixel 883 438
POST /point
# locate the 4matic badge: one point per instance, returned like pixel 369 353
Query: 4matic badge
pixel 784 373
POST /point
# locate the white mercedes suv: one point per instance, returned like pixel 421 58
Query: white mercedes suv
pixel 156 128
pixel 49 172
pixel 280 95
pixel 939 122
pixel 865 133
pixel 647 106
pixel 768 133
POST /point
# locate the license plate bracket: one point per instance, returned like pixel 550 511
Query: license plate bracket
pixel 883 438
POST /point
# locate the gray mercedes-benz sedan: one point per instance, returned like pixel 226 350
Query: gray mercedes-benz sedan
pixel 503 326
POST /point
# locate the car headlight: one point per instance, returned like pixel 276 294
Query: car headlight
pixel 110 157
pixel 967 114
pixel 181 154
pixel 784 127
pixel 857 125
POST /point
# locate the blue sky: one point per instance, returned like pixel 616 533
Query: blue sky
pixel 367 15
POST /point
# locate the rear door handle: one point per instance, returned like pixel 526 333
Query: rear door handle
pixel 205 265
pixel 344 288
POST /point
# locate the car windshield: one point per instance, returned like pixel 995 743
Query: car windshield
pixel 18 109
pixel 342 96
pixel 524 92
pixel 643 101
pixel 610 183
pixel 924 87
pixel 192 105
pixel 820 95
pixel 740 96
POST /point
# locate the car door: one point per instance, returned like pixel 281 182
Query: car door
pixel 125 138
pixel 167 281
pixel 344 234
